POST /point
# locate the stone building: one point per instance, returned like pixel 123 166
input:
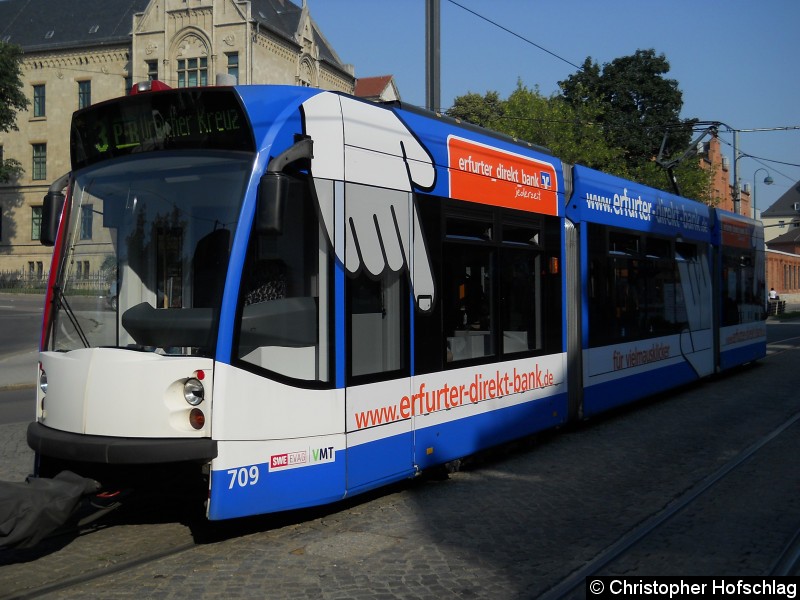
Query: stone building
pixel 82 52
pixel 784 214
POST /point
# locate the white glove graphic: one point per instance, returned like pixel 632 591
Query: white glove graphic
pixel 381 221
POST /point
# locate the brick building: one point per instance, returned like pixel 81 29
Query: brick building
pixel 782 234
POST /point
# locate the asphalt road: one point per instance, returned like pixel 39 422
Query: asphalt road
pixel 20 322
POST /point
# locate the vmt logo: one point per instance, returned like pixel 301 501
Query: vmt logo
pixel 323 454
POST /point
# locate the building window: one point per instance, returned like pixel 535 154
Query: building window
pixel 152 69
pixel 233 65
pixel 192 72
pixel 36 223
pixel 86 222
pixel 38 101
pixel 84 94
pixel 39 161
pixel 82 269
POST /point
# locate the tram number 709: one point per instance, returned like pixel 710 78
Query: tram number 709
pixel 243 476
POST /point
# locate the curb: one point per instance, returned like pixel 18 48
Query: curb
pixel 13 387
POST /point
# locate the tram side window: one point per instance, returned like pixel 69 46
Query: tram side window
pixel 634 287
pixel 468 278
pixel 284 297
pixel 377 309
pixel 498 286
pixel 743 286
pixel 520 288
pixel 661 294
pixel 377 305
pixel 616 288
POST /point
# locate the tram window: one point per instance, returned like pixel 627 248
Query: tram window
pixel 623 243
pixel 377 293
pixel 521 234
pixel 477 228
pixel 284 297
pixel 468 289
pixel 378 323
pixel 743 287
pixel 693 286
pixel 685 252
pixel 520 306
pixel 657 292
pixel 660 315
pixel 658 248
pixel 498 293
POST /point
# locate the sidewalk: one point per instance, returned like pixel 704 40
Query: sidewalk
pixel 18 371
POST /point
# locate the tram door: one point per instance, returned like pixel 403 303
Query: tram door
pixel 377 300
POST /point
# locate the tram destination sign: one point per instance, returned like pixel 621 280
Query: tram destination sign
pixel 205 118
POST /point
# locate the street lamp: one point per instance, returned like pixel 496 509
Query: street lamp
pixel 768 180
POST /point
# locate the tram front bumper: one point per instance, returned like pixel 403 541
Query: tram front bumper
pixel 118 450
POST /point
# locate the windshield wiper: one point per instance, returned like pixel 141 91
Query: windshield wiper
pixel 62 302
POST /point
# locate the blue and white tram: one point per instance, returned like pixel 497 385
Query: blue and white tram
pixel 316 295
pixel 668 289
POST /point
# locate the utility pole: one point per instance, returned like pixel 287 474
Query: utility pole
pixel 737 188
pixel 432 72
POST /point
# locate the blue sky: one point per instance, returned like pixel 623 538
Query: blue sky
pixel 736 61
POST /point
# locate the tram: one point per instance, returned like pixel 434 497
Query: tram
pixel 314 295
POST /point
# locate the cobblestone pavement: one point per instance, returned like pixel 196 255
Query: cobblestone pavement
pixel 512 524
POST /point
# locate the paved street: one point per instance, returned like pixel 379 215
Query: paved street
pixel 512 524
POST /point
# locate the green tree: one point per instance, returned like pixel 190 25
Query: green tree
pixel 12 99
pixel 570 132
pixel 639 104
pixel 483 111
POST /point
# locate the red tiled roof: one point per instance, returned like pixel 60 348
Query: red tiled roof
pixel 367 87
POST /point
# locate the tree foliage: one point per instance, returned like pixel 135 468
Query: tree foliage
pixel 484 111
pixel 12 99
pixel 611 118
pixel 639 102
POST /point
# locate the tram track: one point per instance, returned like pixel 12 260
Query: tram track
pixel 787 563
pixel 71 582
pixel 92 554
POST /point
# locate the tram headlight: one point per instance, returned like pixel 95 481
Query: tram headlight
pixel 193 391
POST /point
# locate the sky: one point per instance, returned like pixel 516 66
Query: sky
pixel 735 61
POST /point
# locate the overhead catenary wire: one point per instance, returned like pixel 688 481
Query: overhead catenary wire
pixel 580 68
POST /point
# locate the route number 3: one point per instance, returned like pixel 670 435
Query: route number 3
pixel 243 476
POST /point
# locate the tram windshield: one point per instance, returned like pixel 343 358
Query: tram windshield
pixel 146 251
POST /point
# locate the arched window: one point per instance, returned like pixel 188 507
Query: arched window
pixel 191 60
